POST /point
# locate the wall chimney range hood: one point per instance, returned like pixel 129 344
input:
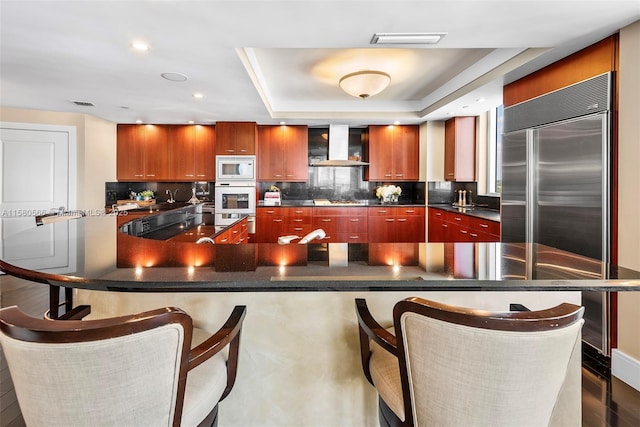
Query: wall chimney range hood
pixel 339 148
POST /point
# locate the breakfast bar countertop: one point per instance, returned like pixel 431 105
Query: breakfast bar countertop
pixel 91 253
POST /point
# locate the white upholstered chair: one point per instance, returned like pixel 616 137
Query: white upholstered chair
pixel 147 369
pixel 442 365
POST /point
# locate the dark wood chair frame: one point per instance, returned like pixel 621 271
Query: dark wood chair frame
pixel 16 324
pixel 370 330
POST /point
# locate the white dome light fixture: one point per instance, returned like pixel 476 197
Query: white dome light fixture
pixel 366 83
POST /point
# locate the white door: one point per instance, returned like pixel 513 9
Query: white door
pixel 35 162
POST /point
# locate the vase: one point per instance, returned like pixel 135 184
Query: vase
pixel 391 199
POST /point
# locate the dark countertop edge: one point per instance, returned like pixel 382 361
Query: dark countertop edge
pixel 309 203
pixel 484 213
pixel 460 285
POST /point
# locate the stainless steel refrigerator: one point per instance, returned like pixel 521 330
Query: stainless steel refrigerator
pixel 556 181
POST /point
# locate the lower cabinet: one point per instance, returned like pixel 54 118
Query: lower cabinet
pixel 273 222
pixel 342 225
pixel 237 234
pixel 447 226
pixel 395 224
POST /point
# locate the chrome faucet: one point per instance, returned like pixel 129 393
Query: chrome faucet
pixel 171 195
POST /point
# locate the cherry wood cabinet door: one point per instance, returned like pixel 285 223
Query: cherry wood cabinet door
pixel 236 138
pixel 393 153
pixel 460 149
pixel 130 153
pixel 406 153
pixel 269 224
pixel 156 152
pixel 181 152
pixel 270 154
pixel 380 151
pixel 295 153
pixel 204 153
pixel 283 153
pixel 410 224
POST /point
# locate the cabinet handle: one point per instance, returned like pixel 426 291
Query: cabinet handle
pixel 271 212
pixel 438 214
pixel 298 212
pixel 224 240
pixel 457 218
pixel 388 174
pixel 297 228
pixel 189 175
pixel 445 225
pixel 402 219
pixel 463 231
pixel 235 231
pixel 354 237
pixel 389 219
pixel 354 219
pixel 277 175
pixel 473 235
pixel 399 174
pixel 450 174
pixel 297 220
pixel 484 226
pixel 151 174
pixel 138 175
pixel 277 220
pixel 201 174
pixel 290 175
pixel 228 150
pixel 409 211
pixel 243 151
pixel 326 219
pixel 382 211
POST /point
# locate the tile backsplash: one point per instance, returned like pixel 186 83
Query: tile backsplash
pixel 447 192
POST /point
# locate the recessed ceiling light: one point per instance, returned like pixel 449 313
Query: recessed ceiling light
pixel 83 103
pixel 465 106
pixel 174 77
pixel 139 121
pixel 140 46
pixel 407 38
pixel 480 100
pixel 198 95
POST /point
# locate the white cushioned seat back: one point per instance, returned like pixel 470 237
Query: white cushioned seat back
pixel 125 381
pixel 464 376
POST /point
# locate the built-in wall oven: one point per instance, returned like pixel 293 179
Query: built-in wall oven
pixel 235 190
pixel 234 200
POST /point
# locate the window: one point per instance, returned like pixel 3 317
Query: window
pixel 494 148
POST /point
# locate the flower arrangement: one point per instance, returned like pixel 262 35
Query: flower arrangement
pixel 146 195
pixel 388 193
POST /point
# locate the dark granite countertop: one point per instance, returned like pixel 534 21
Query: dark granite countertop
pixel 361 203
pixel 479 212
pixel 90 253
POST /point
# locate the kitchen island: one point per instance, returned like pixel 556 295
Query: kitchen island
pixel 299 362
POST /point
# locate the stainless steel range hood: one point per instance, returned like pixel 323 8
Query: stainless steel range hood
pixel 339 148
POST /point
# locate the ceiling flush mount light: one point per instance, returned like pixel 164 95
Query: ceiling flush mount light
pixel 407 38
pixel 363 84
pixel 198 95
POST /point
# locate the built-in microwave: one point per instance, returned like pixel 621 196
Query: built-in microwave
pixel 235 168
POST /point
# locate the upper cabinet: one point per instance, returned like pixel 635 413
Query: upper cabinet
pixel 236 137
pixel 191 153
pixel 460 149
pixel 283 153
pixel 393 153
pixel 142 153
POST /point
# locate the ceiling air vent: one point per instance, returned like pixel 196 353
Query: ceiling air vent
pixel 83 103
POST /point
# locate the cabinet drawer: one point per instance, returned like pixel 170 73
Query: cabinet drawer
pixel 483 225
pixel 381 211
pixel 293 212
pixel 409 211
